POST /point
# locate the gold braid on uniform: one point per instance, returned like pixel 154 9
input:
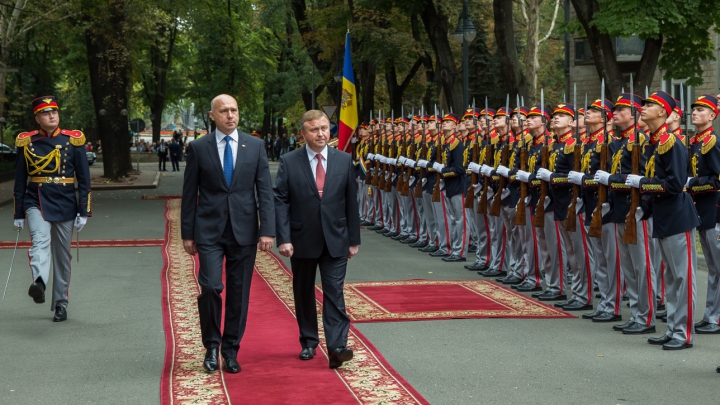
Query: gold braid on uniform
pixel 650 167
pixel 616 161
pixel 37 164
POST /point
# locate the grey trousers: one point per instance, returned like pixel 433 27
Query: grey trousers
pixel 552 254
pixel 678 253
pixel 443 226
pixel 420 232
pixel 394 210
pixel 639 273
pixel 531 252
pixel 401 207
pixel 580 259
pixel 51 241
pixel 608 269
pixel 459 234
pixel 362 199
pixel 430 220
pixel 514 241
pixel 659 268
pixel 711 252
pixel 483 254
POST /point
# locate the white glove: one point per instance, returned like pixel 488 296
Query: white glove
pixel 412 181
pixel 477 186
pixel 575 178
pixel 544 174
pixel 605 209
pixel 547 202
pixel 19 224
pixel 639 214
pixel 392 162
pixel 602 177
pixel 387 176
pixel 523 176
pixel 505 193
pixel 717 227
pixel 486 170
pixel 422 163
pixel 490 193
pixel 402 159
pixel 503 171
pixel 442 184
pixel 633 180
pixel 687 183
pixel 424 182
pixel 378 157
pixel 527 200
pixel 578 204
pixel 371 156
pixel 474 167
pixel 438 167
pixel 409 163
pixel 394 176
pixel 80 223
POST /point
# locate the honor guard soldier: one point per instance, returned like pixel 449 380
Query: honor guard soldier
pixel 664 178
pixel 703 186
pixel 49 161
pixel 479 227
pixel 361 151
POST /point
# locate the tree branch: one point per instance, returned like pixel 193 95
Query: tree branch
pixel 552 24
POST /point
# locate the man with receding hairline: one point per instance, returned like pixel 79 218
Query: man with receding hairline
pixel 226 207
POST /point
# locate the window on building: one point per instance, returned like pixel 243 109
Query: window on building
pixel 583 54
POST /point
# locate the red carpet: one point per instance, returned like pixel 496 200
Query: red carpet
pixel 271 373
pixel 92 243
pixel 413 300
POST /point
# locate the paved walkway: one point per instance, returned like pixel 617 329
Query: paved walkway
pixel 110 351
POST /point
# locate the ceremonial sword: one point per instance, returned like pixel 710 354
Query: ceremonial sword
pixel 12 261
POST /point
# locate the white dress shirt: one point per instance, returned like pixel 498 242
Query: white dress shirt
pixel 313 161
pixel 220 138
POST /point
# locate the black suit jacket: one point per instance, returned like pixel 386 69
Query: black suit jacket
pixel 207 201
pixel 303 218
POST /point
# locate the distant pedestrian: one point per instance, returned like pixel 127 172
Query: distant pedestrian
pixel 269 147
pixel 291 142
pixel 162 152
pixel 175 154
pixel 277 146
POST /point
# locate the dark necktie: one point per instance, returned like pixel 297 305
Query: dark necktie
pixel 320 175
pixel 228 160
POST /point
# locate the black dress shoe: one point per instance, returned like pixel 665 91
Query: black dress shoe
pixel 563 303
pixel 400 236
pixel 598 296
pixel 717 369
pixel 391 234
pixel 340 356
pixel 528 287
pixel 37 292
pixel 607 317
pixel 454 258
pixel 211 360
pixel 494 273
pixel 623 326
pixel 382 230
pixel 596 288
pixel 307 353
pixel 418 244
pixel 592 315
pixel 577 306
pixel 661 315
pixel 626 298
pixel 676 344
pixel 365 223
pixel 699 324
pixel 429 249
pixel 552 297
pixel 535 295
pixel 709 329
pixel 60 314
pixel 439 253
pixel 664 318
pixel 659 340
pixel 660 307
pixel 231 365
pixel 511 279
pixel 374 228
pixel 638 329
pixel 472 248
pixel 409 241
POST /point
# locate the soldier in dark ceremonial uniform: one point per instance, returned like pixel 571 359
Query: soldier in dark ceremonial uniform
pixel 49 161
pixel 665 177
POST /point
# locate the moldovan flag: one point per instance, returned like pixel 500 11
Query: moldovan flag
pixel 348 102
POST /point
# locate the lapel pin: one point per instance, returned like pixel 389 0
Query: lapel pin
pixel 243 145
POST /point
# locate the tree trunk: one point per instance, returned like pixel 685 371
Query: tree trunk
pixel 505 38
pixel 367 76
pixel 155 84
pixel 531 48
pixel 448 79
pixel 109 66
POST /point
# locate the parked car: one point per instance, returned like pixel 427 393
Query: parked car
pixel 91 157
pixel 7 153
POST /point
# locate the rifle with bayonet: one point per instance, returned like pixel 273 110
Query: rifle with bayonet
pixel 489 153
pixel 520 216
pixel 495 208
pixel 410 155
pixel 539 221
pixel 571 222
pixel 630 234
pixel 423 155
pixel 392 153
pixel 403 146
pixel 383 169
pixel 438 157
pixel 470 198
pixel 371 149
pixel 596 222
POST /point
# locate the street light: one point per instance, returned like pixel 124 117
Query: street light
pixel 464 34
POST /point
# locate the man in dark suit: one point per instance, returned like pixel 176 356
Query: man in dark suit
pixel 227 183
pixel 175 154
pixel 318 224
pixel 162 152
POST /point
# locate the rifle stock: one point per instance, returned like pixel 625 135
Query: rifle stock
pixel 391 168
pixel 630 234
pixel 411 155
pixel 470 198
pixel 401 179
pixel 596 223
pixel 419 185
pixel 438 158
pixel 520 215
pixel 495 208
pixel 489 152
pixel 571 224
pixel 539 220
pixel 369 174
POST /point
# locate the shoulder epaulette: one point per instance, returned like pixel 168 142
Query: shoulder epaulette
pixel 24 138
pixel 454 143
pixel 667 140
pixel 77 138
pixel 569 148
pixel 708 143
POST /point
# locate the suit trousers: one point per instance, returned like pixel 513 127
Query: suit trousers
pixel 580 259
pixel 711 252
pixel 175 160
pixel 639 274
pixel 336 322
pixel 51 241
pixel 239 262
pixel 678 253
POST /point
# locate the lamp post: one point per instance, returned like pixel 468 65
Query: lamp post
pixel 464 34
